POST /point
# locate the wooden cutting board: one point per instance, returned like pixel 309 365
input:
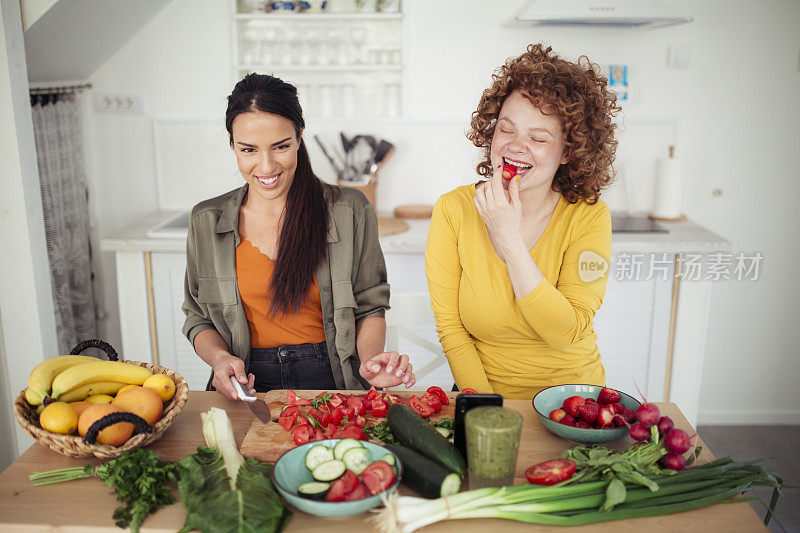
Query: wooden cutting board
pixel 267 442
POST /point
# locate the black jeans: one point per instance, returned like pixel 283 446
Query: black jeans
pixel 299 366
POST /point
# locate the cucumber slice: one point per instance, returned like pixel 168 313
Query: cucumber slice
pixel 444 431
pixel 314 490
pixel 329 470
pixel 317 455
pixel 356 459
pixel 388 458
pixel 344 445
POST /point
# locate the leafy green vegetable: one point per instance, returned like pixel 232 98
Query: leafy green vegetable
pixel 383 433
pixel 140 479
pixel 211 505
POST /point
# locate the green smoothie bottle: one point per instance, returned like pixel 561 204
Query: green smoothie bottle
pixel 493 435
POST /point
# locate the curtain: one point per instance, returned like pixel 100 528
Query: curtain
pixel 59 150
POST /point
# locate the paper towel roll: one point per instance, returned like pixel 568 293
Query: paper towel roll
pixel 668 189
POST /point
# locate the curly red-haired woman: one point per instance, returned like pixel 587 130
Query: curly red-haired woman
pixel 517 268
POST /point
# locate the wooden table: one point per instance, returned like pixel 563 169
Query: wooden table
pixel 86 505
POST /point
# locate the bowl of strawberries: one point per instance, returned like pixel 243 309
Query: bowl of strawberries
pixel 588 414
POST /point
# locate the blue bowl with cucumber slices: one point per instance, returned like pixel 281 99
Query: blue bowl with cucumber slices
pixel 336 477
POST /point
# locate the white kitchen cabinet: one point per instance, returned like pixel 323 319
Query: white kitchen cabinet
pixel 343 64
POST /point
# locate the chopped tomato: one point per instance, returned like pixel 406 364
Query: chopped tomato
pixel 337 415
pixel 378 408
pixel 349 412
pixel 319 434
pixel 551 472
pixel 357 405
pixel 302 421
pixel 302 435
pixel 330 429
pixel 372 394
pixel 468 391
pixel 351 431
pixel 289 410
pixel 287 421
pixel 442 395
pixel 292 399
pixel 423 409
pixel 378 476
pixel 323 418
pixel 432 400
pixel 337 400
pixel 391 398
pixel 359 493
pixel 360 420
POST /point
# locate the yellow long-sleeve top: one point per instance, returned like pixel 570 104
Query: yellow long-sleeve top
pixel 495 342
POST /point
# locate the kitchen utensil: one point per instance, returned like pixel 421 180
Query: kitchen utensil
pixel 553 398
pixel 347 144
pixel 338 166
pixel 256 406
pixel 383 149
pixel 290 472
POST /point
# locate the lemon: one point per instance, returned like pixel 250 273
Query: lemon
pixel 59 417
pixel 99 399
pixel 127 387
pixel 162 384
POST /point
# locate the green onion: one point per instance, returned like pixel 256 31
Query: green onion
pixel 580 503
pixel 218 433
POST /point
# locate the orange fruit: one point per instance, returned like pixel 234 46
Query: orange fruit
pixel 59 417
pixel 141 401
pixel 128 387
pixel 79 407
pixel 114 434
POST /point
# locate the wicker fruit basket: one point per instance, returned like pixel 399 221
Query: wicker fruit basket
pixel 74 445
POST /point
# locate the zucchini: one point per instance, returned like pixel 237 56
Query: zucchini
pixel 314 490
pixel 424 476
pixel 356 459
pixel 317 455
pixel 344 445
pixel 329 470
pixel 414 432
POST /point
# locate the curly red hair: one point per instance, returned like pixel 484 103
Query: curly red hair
pixel 578 95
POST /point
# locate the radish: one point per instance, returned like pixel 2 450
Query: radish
pixel 665 425
pixel 647 414
pixel 674 461
pixel 677 441
pixel 639 432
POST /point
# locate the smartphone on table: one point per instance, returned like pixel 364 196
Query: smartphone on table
pixel 465 402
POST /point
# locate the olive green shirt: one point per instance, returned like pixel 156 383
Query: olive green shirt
pixel 351 278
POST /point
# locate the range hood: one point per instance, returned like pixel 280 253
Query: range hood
pixel 603 13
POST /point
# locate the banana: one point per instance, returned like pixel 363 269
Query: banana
pixel 41 377
pixel 95 387
pixel 118 371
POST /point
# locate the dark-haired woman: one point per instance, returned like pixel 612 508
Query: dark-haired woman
pixel 285 280
pixel 518 267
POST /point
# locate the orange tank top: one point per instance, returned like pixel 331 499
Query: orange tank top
pixel 253 275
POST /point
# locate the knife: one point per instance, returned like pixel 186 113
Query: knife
pixel 256 406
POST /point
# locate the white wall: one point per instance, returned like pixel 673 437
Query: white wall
pixel 733 112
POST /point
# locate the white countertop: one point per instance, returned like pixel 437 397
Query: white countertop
pixel 685 236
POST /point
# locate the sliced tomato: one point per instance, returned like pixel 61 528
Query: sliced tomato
pixel 423 409
pixel 391 398
pixel 292 399
pixel 289 410
pixel 302 435
pixel 302 421
pixel 357 405
pixel 372 394
pixel 359 493
pixel 337 400
pixel 337 491
pixel 319 434
pixel 323 418
pixel 330 429
pixel 337 415
pixel 349 412
pixel 432 400
pixel 551 472
pixel 442 395
pixel 351 431
pixel 287 421
pixel 468 391
pixel 378 476
pixel 378 408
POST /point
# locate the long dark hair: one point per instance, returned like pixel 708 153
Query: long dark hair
pixel 304 228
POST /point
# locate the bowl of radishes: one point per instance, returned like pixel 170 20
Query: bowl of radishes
pixel 588 414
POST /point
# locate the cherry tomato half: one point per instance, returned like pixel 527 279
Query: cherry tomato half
pixel 442 395
pixel 551 472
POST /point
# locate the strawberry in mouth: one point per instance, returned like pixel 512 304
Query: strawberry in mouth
pixel 514 168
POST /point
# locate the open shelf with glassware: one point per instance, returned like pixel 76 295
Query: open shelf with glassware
pixel 345 65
